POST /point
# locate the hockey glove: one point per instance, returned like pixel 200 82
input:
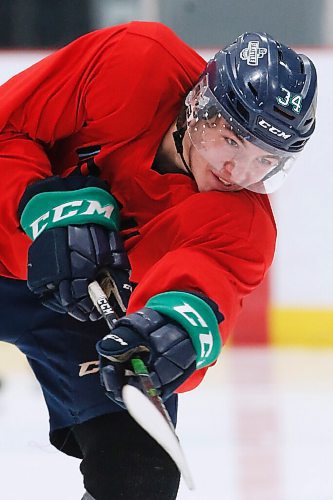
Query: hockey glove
pixel 174 335
pixel 73 223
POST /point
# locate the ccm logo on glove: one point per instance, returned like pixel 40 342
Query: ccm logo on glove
pixel 91 205
pixel 74 223
pixel 118 339
pixel 175 334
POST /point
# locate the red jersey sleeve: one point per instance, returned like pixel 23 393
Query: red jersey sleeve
pixel 40 106
pixel 100 89
pixel 219 244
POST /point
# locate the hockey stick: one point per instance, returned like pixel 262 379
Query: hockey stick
pixel 145 407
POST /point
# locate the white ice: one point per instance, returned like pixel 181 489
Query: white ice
pixel 259 428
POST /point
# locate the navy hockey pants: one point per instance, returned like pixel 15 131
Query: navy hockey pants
pixel 61 352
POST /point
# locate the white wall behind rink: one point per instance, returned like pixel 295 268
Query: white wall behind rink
pixel 302 274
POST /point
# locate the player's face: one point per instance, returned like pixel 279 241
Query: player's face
pixel 226 162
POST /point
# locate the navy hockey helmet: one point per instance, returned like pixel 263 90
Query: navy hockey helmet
pixel 265 91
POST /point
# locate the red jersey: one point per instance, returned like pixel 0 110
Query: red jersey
pixel 116 92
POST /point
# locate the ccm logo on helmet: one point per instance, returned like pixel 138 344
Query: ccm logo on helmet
pixel 273 130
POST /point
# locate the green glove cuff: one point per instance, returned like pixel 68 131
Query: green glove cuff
pixel 196 317
pixel 63 208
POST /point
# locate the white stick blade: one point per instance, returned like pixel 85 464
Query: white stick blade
pixel 153 422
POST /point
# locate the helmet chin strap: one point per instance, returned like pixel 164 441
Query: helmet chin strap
pixel 178 137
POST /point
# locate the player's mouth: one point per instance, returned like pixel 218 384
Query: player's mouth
pixel 225 183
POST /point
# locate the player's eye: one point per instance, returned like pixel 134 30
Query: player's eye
pixel 268 161
pixel 231 142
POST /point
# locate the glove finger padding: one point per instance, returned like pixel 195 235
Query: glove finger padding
pixel 165 347
pixel 62 262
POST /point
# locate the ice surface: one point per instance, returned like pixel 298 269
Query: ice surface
pixel 259 428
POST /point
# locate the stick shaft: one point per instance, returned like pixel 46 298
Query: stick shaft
pixel 149 389
pixel 101 301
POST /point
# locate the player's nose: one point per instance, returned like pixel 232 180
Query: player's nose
pixel 227 168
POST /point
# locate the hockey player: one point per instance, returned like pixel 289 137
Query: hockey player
pixel 125 150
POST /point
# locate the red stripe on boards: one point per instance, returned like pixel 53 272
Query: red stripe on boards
pixel 252 324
